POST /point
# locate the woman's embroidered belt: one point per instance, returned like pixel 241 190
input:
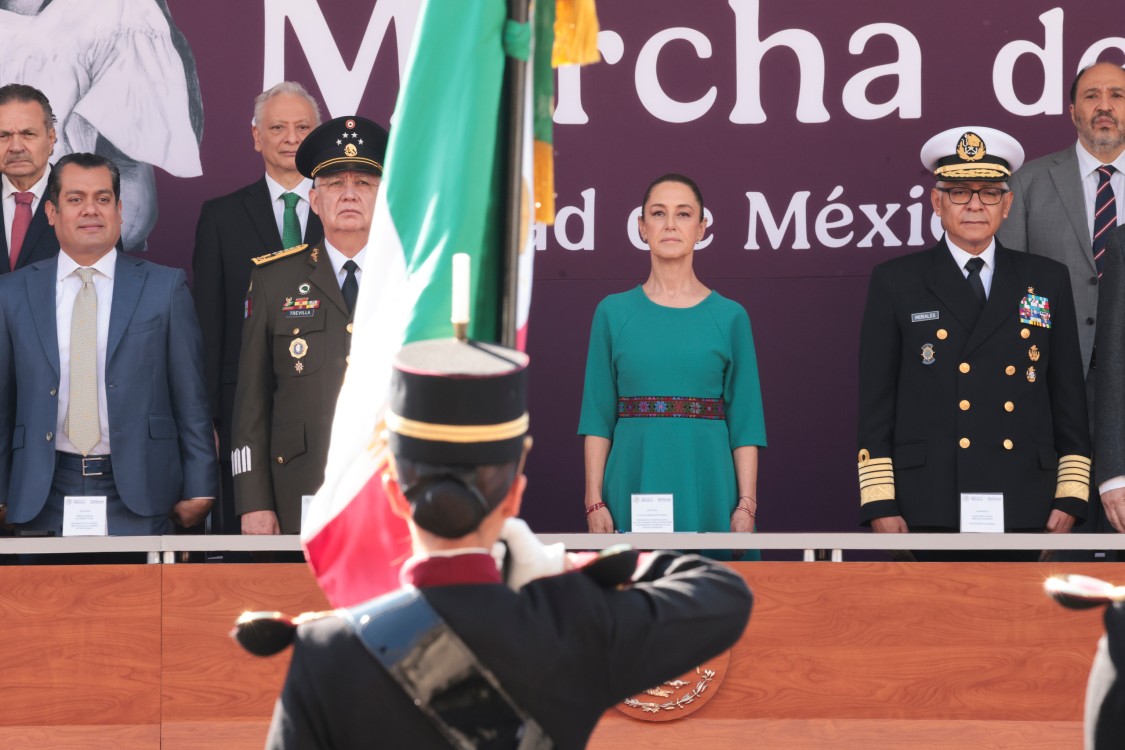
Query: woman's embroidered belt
pixel 670 406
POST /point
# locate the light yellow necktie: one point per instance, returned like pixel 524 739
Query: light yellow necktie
pixel 82 426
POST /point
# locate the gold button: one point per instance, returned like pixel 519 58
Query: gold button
pixel 1009 370
pixel 1009 406
pixel 280 460
pixel 296 331
pixel 1008 444
pixel 965 367
pixel 349 327
pixel 964 443
pixel 942 334
pixel 1024 333
pixel 965 406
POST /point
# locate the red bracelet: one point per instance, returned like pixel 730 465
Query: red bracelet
pixel 745 510
pixel 595 506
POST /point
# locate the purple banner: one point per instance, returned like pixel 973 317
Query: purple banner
pixel 800 120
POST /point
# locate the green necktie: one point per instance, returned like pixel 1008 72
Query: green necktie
pixel 290 224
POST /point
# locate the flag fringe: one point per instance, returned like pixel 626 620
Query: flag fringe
pixel 576 33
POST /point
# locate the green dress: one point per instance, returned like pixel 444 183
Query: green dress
pixel 668 359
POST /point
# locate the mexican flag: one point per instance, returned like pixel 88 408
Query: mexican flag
pixel 443 192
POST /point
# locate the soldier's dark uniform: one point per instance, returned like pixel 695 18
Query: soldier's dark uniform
pixel 958 398
pixel 295 341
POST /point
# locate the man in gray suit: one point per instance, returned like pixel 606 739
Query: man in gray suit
pixel 1054 206
pixel 1109 423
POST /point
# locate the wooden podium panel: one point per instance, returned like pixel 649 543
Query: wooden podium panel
pixel 212 688
pixel 931 655
pixel 871 655
pixel 81 656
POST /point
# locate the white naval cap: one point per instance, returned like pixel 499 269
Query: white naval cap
pixel 972 153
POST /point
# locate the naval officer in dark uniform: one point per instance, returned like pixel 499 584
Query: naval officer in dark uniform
pixel 297 331
pixel 970 377
pixel 457 658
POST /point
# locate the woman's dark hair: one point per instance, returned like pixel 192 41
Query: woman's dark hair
pixel 675 177
pixel 451 501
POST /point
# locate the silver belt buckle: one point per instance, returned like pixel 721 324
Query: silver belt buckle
pixel 86 473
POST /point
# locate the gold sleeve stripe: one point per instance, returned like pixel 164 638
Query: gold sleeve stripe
pixel 876 478
pixel 1077 476
pixel 1080 490
pixel 1085 460
pixel 453 433
pixel 879 492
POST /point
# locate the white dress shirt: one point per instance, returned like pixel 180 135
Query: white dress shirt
pixel 8 196
pixel 338 259
pixel 301 191
pixel 1088 171
pixel 988 256
pixel 67 286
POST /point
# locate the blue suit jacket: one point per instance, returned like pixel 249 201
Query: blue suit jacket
pixel 159 421
pixel 39 243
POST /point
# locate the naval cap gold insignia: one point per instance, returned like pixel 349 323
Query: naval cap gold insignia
pixel 970 147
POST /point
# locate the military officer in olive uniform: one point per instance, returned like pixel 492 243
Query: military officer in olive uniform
pixel 970 376
pixel 297 331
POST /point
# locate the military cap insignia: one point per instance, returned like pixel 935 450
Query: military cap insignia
pixel 970 147
pixel 350 149
pixel 261 260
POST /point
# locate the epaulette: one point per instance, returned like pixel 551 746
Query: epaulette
pixel 261 260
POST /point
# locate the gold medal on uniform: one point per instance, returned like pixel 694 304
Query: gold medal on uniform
pixel 1031 374
pixel 297 349
pixel 1033 353
pixel 927 354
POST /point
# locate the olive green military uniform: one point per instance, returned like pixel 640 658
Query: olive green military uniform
pixel 295 341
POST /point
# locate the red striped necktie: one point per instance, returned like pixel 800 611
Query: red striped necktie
pixel 1105 213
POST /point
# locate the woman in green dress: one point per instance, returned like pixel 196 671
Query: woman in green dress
pixel 672 403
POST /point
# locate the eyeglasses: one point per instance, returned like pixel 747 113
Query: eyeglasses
pixel 961 195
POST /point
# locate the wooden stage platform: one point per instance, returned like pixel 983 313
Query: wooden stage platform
pixel 837 655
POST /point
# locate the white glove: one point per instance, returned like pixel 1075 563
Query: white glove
pixel 528 558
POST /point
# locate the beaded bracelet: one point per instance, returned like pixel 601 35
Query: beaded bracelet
pixel 595 506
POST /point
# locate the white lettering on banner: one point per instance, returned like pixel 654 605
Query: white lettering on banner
pixel 908 69
pixel 835 224
pixel 568 108
pixel 585 217
pixel 1050 58
pixel 342 87
pixel 649 91
pixel 835 215
pixel 635 234
pixel 749 50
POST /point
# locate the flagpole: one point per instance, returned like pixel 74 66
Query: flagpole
pixel 516 85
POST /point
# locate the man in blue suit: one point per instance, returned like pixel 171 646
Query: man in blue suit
pixel 27 138
pixel 101 379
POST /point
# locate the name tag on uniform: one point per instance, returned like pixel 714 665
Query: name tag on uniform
pixel 652 513
pixel 84 515
pixel 922 317
pixel 982 512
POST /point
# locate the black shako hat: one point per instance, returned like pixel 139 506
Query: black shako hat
pixel 342 144
pixel 458 403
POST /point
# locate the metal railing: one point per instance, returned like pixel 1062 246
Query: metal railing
pixel 164 548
